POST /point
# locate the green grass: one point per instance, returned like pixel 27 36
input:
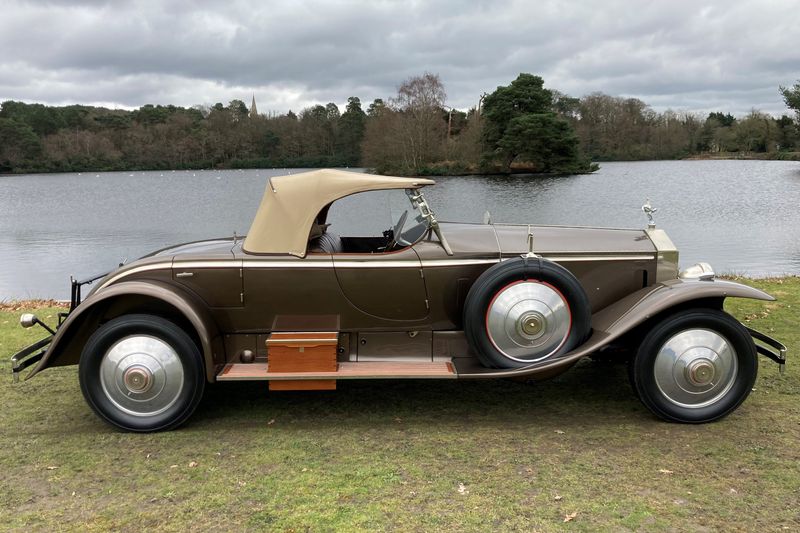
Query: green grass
pixel 413 455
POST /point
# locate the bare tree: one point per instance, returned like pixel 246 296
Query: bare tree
pixel 419 101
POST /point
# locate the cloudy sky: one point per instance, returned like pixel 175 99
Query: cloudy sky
pixel 686 55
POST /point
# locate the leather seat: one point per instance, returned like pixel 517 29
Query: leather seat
pixel 328 243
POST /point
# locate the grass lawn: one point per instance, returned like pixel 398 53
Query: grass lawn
pixel 413 455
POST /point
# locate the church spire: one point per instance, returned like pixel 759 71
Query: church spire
pixel 253 110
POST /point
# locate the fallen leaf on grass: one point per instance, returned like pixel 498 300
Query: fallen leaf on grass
pixel 558 497
pixel 193 464
pixel 52 467
pixel 462 489
pixel 664 471
pixel 173 466
pixel 571 516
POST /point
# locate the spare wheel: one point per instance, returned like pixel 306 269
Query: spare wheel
pixel 525 310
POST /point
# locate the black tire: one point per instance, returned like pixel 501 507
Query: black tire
pixel 497 279
pixel 663 391
pixel 173 370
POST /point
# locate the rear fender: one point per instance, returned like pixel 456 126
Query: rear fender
pixel 83 320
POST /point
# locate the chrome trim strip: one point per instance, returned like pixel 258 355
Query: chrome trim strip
pixel 567 258
pixel 373 263
pixel 210 263
pixel 557 226
pixel 136 270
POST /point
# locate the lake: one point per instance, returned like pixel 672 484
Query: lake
pixel 743 217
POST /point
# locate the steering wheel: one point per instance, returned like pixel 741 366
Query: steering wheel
pixel 398 228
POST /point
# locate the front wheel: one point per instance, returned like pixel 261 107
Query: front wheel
pixel 141 373
pixel 695 366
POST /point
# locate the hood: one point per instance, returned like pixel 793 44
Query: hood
pixel 565 240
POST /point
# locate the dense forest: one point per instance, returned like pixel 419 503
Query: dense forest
pixel 519 127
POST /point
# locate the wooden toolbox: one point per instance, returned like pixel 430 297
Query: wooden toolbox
pixel 294 352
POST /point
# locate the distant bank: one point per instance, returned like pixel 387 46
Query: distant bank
pixel 765 156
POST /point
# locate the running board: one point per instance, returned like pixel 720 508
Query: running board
pixel 346 370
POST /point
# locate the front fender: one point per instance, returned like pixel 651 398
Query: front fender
pixel 636 308
pixel 621 317
pixel 67 338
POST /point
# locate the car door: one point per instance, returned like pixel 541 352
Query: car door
pixel 389 286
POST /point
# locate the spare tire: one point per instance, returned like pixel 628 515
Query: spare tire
pixel 525 310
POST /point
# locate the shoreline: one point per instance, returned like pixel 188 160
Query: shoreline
pixel 445 171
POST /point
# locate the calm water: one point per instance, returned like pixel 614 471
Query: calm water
pixel 741 216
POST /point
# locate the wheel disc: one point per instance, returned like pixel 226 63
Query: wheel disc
pixel 695 368
pixel 141 375
pixel 528 321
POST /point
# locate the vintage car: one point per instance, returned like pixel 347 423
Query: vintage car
pixel 298 305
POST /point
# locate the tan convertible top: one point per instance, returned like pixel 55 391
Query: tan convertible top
pixel 290 204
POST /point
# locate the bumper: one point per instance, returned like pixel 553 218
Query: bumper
pixel 29 356
pixel 769 348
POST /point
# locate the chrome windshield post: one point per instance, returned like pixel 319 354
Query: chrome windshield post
pixel 419 202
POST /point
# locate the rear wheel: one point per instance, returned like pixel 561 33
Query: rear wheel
pixel 695 366
pixel 142 373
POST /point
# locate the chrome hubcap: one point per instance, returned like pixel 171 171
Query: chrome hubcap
pixel 695 368
pixel 528 321
pixel 138 378
pixel 141 375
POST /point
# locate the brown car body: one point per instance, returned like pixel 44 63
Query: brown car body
pixel 402 308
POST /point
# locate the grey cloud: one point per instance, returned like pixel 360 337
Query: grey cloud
pixel 681 55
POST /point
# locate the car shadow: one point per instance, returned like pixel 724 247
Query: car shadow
pixel 590 393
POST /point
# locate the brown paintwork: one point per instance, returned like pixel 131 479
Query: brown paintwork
pixel 388 308
pixel 81 323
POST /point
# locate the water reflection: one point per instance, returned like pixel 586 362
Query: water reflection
pixel 741 216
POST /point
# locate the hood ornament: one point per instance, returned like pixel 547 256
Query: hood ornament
pixel 649 210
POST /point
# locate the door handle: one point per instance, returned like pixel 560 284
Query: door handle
pixel 184 274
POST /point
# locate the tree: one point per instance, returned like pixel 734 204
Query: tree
pixel 409 134
pixel 787 133
pixel 542 139
pixel 422 129
pixel 521 127
pixel 791 95
pixel 756 132
pixel 376 107
pixel 351 132
pixel 726 120
pixel 18 143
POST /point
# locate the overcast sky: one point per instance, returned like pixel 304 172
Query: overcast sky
pixel 726 56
